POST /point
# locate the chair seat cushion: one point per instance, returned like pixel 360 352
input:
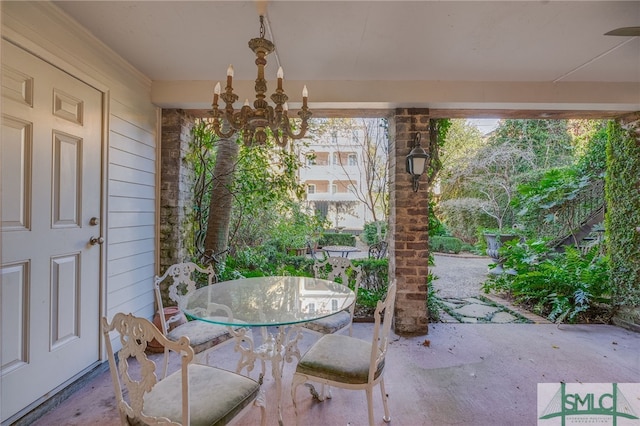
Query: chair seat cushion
pixel 339 358
pixel 330 324
pixel 202 335
pixel 216 395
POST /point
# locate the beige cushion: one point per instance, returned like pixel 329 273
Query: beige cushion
pixel 202 335
pixel 339 358
pixel 330 324
pixel 215 395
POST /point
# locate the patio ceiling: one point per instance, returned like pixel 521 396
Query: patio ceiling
pixel 520 55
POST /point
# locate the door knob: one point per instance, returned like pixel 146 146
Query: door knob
pixel 96 240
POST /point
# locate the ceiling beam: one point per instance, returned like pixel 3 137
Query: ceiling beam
pixel 453 113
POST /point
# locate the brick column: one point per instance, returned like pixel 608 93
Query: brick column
pixel 176 194
pixel 408 223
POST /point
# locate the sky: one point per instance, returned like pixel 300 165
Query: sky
pixel 485 125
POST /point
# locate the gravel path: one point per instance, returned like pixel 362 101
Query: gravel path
pixel 459 275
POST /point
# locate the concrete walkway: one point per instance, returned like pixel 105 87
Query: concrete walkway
pixel 458 374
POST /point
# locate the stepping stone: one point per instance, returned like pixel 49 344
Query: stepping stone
pixel 445 317
pixel 452 305
pixel 476 301
pixel 503 318
pixel 469 320
pixel 476 310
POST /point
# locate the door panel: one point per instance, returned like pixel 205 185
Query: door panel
pixel 50 175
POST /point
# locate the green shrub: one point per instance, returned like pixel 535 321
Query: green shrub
pixel 468 247
pixel 443 244
pixel 264 261
pixel 433 301
pixel 335 239
pixel 375 273
pixel 370 233
pixel 559 286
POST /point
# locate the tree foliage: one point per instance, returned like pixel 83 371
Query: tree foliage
pixel 261 183
pixel 482 174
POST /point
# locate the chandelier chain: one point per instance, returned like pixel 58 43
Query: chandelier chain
pixel 261 26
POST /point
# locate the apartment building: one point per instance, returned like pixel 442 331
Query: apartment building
pixel 335 178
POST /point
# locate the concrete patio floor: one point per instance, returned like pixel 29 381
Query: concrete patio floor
pixel 458 374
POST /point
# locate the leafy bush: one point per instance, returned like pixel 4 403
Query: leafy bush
pixel 433 301
pixel 261 261
pixel 560 286
pixel 375 273
pixel 370 233
pixel 445 244
pixel 436 227
pixel 335 239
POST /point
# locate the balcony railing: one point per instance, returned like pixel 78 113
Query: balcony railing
pixel 568 218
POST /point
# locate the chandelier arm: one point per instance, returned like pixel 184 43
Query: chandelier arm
pixel 280 141
pixel 218 122
pixel 304 114
pixel 220 133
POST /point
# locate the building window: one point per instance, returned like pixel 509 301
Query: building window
pixel 335 158
pixel 334 188
pixel 334 305
pixel 312 308
pixel 353 160
pixel 311 188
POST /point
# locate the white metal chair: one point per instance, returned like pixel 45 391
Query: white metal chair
pixel 195 394
pixel 181 279
pixel 350 363
pixel 333 268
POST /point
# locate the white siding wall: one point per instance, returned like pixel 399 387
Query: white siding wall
pixel 130 166
pixel 131 213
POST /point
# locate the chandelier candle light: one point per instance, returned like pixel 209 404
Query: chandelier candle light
pixel 253 122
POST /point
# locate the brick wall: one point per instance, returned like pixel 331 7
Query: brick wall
pixel 176 187
pixel 408 222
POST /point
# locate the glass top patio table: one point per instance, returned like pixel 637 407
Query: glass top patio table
pixel 343 250
pixel 268 301
pixel 284 302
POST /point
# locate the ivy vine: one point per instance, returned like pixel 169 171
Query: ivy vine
pixel 622 188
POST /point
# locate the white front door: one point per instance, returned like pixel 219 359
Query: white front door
pixel 50 184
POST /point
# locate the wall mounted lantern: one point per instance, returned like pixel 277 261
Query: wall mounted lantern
pixel 417 162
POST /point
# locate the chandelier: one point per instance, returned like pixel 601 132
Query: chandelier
pixel 252 123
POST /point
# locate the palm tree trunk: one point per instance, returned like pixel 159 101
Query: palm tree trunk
pixel 217 237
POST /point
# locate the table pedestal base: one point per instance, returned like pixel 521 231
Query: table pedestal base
pixel 277 350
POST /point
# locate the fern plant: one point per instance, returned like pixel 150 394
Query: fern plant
pixel 560 286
